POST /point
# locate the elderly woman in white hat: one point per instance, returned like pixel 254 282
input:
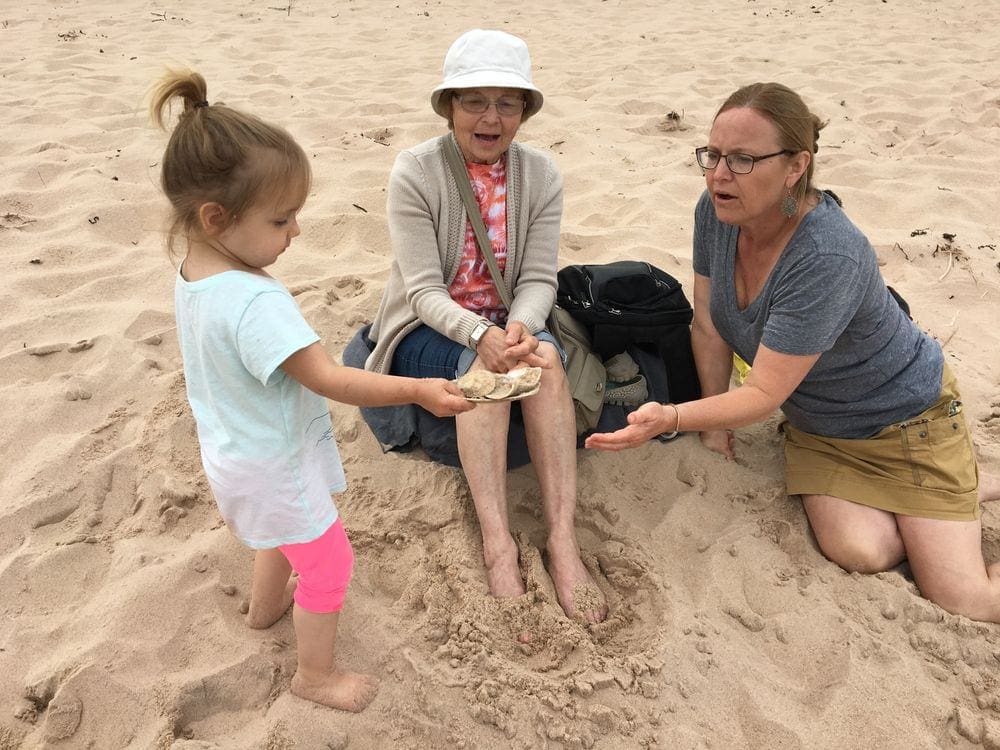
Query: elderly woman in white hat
pixel 442 314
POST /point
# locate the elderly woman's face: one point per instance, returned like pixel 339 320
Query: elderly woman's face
pixel 485 136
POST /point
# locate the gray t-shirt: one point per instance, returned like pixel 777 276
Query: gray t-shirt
pixel 825 295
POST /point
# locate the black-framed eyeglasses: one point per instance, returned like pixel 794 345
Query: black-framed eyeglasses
pixel 737 163
pixel 476 104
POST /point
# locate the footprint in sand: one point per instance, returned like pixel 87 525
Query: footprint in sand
pixel 346 287
pixel 74 702
pixel 14 221
pixel 43 350
pixel 246 686
pixel 176 499
pixel 77 393
pixel 62 717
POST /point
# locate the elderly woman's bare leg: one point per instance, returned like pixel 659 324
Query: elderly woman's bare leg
pixel 946 558
pixel 550 424
pixel 856 537
pixel 482 446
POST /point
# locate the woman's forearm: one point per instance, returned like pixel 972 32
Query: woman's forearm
pixel 713 359
pixel 736 408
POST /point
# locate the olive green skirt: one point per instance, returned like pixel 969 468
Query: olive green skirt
pixel 923 467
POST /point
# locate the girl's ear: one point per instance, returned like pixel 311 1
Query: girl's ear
pixel 214 219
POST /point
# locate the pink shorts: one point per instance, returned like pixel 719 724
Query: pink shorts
pixel 324 566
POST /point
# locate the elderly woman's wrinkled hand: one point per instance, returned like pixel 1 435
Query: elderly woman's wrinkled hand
pixel 505 350
pixel 522 348
pixel 644 423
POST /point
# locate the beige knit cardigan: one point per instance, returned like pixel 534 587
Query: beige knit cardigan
pixel 427 221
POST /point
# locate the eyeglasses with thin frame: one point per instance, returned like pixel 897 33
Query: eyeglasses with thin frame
pixel 476 104
pixel 737 163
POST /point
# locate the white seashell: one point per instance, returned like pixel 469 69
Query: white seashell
pixel 477 383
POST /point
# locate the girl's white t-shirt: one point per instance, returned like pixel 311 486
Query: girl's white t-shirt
pixel 267 442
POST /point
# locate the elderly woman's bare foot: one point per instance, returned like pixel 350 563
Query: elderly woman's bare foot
pixel 503 574
pixel 264 611
pixel 579 595
pixel 349 691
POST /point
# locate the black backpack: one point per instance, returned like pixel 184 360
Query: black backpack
pixel 635 306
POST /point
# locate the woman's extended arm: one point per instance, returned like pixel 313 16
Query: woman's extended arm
pixel 772 379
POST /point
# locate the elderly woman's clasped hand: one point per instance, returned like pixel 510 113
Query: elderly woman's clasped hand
pixel 503 350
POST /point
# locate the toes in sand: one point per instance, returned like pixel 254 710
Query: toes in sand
pixel 578 594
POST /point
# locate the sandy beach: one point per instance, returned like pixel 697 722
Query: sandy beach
pixel 121 589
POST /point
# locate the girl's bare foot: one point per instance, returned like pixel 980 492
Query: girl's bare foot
pixel 266 610
pixel 348 691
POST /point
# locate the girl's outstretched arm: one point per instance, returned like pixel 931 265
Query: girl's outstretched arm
pixel 313 368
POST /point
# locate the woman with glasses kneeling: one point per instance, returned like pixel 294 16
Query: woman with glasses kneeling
pixel 442 315
pixel 876 443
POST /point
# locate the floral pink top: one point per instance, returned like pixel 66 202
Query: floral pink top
pixel 473 286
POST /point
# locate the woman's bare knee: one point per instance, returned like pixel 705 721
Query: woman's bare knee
pixel 858 538
pixel 855 556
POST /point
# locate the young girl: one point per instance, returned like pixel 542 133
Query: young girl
pixel 257 375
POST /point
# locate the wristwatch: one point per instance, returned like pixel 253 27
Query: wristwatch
pixel 477 333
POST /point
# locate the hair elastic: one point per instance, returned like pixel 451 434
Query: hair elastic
pixel 200 104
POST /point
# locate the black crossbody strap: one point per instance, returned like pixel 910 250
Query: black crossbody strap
pixel 457 164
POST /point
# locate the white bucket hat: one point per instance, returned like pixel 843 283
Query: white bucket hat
pixel 483 58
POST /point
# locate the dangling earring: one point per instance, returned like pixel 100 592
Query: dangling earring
pixel 789 206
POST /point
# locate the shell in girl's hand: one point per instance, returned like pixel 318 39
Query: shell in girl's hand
pixel 481 385
pixel 475 384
